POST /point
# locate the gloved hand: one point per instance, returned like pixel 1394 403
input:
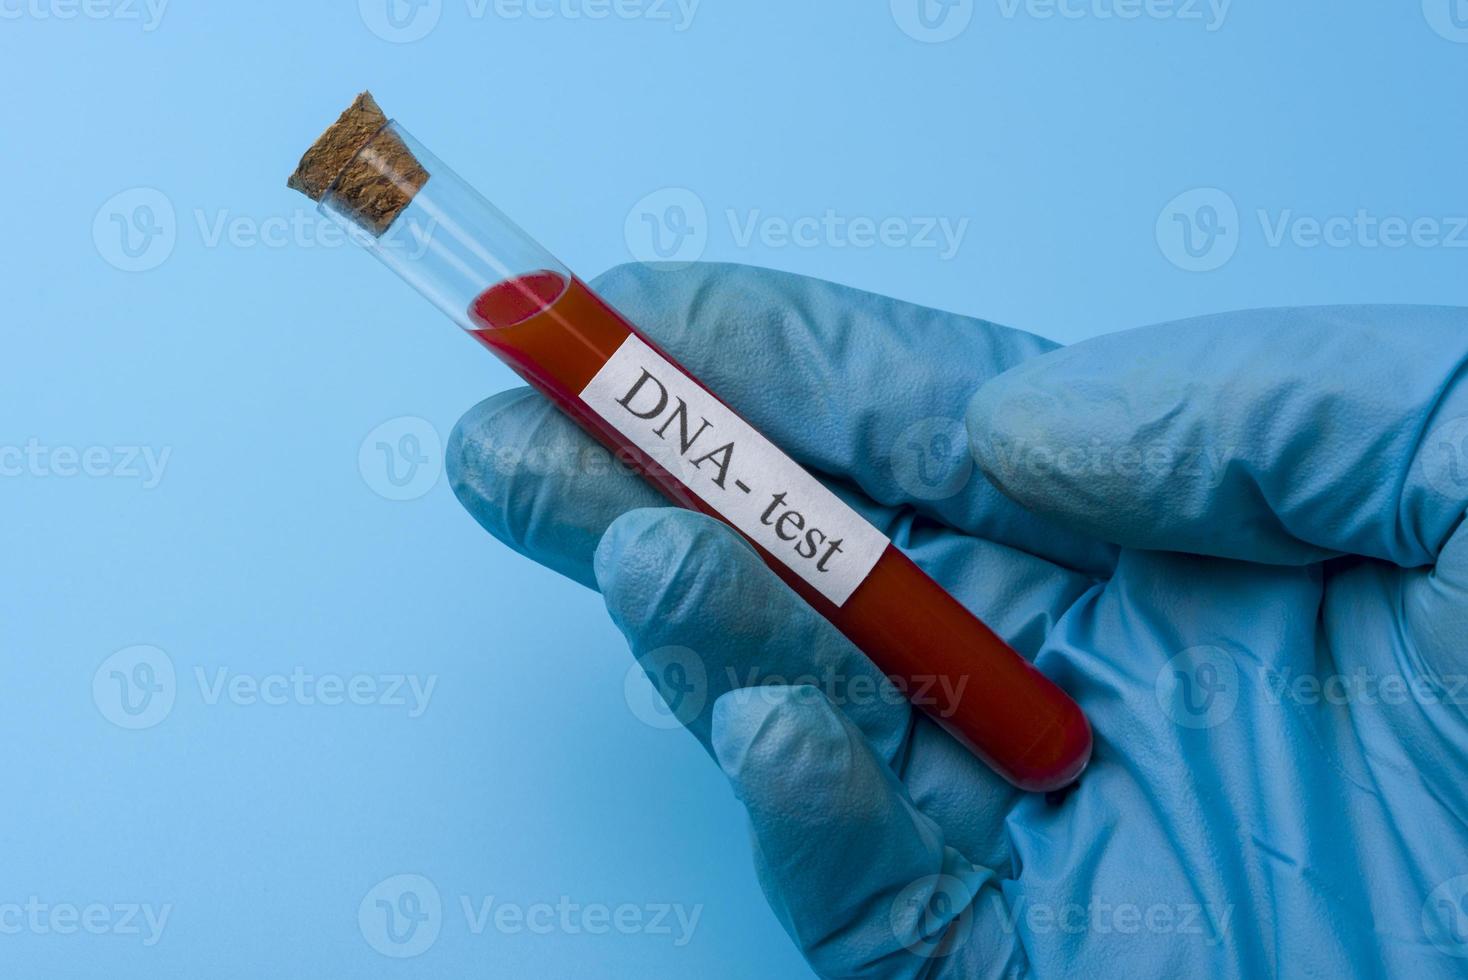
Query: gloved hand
pixel 1236 541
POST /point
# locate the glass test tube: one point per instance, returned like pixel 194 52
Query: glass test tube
pixel 458 250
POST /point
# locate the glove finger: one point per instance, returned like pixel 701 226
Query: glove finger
pixel 1435 610
pixel 534 480
pixel 1435 600
pixel 705 616
pixel 863 388
pixel 1280 436
pixel 861 879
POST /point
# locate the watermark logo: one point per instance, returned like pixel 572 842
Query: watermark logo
pixel 401 459
pixel 411 692
pixel 406 21
pixel 1362 230
pixel 1097 916
pixel 401 916
pixel 679 13
pixel 400 21
pixel 139 229
pixel 667 688
pixel 1201 230
pixel 1445 917
pixel 1361 687
pixel 931 460
pixel 669 226
pixel 136 229
pixel 411 236
pixel 940 695
pixel 834 230
pixel 1449 18
pixel 933 21
pixel 135 687
pixel 933 916
pixel 1154 461
pixel 674 920
pixel 1198 688
pixel 1445 459
pixel 672 226
pixel 1198 231
pixel 1212 14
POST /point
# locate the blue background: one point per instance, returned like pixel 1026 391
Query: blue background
pixel 260 367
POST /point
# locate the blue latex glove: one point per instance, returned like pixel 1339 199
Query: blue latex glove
pixel 1238 543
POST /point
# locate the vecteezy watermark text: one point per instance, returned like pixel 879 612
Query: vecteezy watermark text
pixel 672 225
pixel 406 21
pixel 568 918
pixel 669 687
pixel 138 229
pixel 1211 14
pixel 137 687
pixel 936 21
pixel 39 918
pixel 40 461
pixel 1097 916
pixel 940 694
pixel 307 689
pixel 147 13
pixel 1362 687
pixel 1201 687
pixel 1202 463
pixel 1202 229
pixel 831 229
pixel 934 916
pixel 402 916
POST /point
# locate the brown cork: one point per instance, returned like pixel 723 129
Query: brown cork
pixel 372 187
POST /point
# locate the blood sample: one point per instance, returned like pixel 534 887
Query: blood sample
pixel 428 225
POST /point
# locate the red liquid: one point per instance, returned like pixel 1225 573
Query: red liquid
pixel 558 334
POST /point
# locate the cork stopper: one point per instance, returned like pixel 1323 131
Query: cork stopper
pixel 372 187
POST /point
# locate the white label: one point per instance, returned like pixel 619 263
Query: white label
pixel 735 470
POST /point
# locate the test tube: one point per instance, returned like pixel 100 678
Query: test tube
pixel 433 229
